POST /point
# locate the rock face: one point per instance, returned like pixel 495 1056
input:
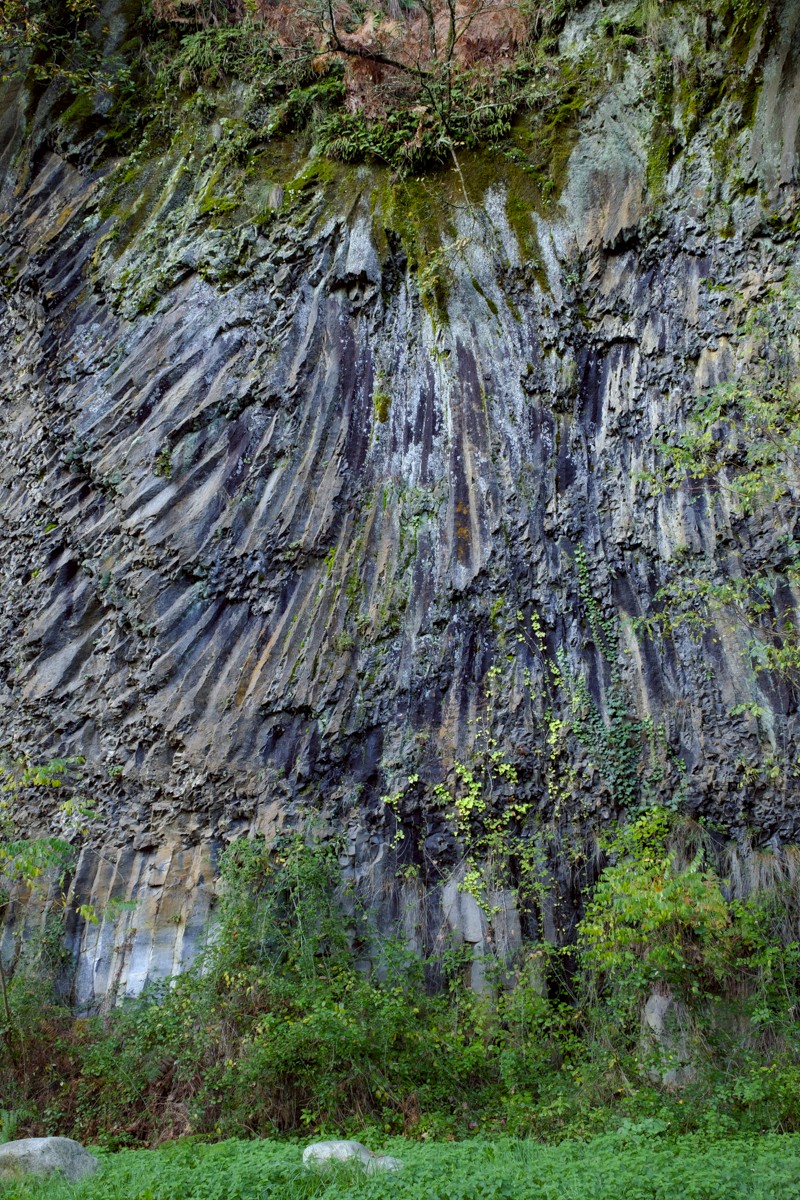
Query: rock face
pixel 280 531
pixel 665 1044
pixel 44 1156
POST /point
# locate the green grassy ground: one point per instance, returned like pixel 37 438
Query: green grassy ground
pixel 637 1163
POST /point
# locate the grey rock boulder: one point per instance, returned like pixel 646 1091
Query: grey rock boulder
pixel 322 1154
pixel 43 1156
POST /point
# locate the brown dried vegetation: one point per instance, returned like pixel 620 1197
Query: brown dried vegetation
pixel 386 53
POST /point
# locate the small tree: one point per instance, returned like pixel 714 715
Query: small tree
pixel 24 860
pixel 654 919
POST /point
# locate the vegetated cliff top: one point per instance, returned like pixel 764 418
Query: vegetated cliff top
pixel 405 83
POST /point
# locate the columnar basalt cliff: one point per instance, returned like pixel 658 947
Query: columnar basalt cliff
pixel 294 483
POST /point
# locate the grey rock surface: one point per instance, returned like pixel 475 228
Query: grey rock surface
pixel 322 1154
pixel 665 1045
pixel 44 1156
pixel 272 528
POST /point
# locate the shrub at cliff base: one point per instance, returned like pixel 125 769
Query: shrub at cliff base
pixel 277 1031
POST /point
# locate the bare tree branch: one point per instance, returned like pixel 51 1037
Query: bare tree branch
pixel 364 52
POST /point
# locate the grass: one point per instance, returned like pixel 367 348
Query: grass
pixel 638 1162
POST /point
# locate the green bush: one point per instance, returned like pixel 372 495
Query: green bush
pixel 276 1028
pixel 652 920
pixel 279 1028
pixel 659 917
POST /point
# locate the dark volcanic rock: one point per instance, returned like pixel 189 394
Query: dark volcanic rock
pixel 269 520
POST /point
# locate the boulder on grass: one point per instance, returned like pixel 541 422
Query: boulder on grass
pixel 322 1154
pixel 43 1156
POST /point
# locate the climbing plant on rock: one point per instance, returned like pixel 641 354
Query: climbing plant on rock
pixel 740 449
